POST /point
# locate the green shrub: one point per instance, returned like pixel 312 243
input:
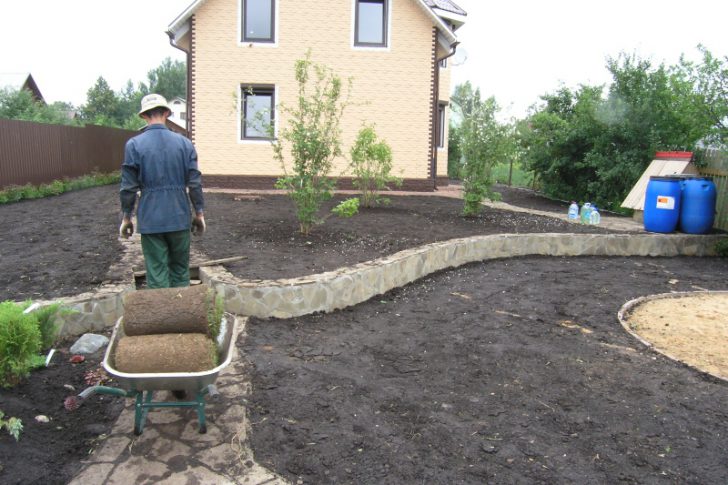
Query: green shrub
pixel 721 248
pixel 20 340
pixel 371 164
pixel 47 323
pixel 15 193
pixel 312 138
pixel 12 425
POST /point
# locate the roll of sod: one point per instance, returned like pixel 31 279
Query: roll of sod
pixel 153 354
pixel 171 310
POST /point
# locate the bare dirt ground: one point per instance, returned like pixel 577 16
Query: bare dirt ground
pixel 510 371
pixel 494 370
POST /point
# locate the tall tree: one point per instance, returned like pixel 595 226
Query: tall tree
pixel 168 79
pixel 20 105
pixel 585 145
pixel 102 105
pixel 483 143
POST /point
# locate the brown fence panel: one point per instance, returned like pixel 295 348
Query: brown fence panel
pixel 39 153
pixel 716 166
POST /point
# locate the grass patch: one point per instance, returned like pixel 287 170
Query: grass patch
pixel 519 177
pixel 16 193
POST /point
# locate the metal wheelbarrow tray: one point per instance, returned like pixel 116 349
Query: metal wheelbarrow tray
pixel 141 386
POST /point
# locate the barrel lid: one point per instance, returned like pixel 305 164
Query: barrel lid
pixel 698 177
pixel 666 178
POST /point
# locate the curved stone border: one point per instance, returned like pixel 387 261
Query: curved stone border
pixel 348 286
pixel 627 308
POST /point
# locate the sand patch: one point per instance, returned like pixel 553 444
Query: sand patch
pixel 692 328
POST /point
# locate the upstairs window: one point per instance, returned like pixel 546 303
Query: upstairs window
pixel 258 20
pixel 370 27
pixel 258 112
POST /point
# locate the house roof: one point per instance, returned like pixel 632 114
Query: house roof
pixel 20 80
pixel 178 28
pixel 446 5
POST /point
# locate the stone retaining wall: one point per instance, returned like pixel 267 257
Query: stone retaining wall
pixel 351 285
pixel 285 298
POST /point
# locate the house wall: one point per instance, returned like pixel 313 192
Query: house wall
pixel 392 87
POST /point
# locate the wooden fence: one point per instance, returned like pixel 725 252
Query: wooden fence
pixel 716 166
pixel 40 153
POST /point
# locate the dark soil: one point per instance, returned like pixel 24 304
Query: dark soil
pixel 58 246
pixel 50 453
pixel 265 230
pixel 529 199
pixel 555 390
pixel 510 371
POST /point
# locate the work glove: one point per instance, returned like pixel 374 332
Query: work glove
pixel 198 225
pixel 126 229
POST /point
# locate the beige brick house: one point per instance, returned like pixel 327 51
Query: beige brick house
pixel 241 55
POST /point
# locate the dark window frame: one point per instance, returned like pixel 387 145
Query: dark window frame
pixel 253 90
pixel 385 22
pixel 261 40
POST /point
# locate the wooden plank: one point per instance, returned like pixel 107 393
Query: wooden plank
pixel 212 262
pixel 636 197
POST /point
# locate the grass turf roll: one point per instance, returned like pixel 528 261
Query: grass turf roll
pixel 182 352
pixel 171 310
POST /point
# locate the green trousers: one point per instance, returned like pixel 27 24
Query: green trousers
pixel 167 259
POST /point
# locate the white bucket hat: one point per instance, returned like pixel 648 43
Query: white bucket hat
pixel 151 101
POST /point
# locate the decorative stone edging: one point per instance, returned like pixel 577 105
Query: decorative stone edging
pixel 627 308
pixel 348 286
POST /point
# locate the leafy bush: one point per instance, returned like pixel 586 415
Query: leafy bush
pixel 12 425
pixel 15 193
pixel 47 323
pixel 721 248
pixel 347 208
pixel 371 163
pixel 20 340
pixel 315 138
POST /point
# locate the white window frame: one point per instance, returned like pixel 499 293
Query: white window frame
pixel 246 43
pixel 241 101
pixel 442 125
pixel 385 48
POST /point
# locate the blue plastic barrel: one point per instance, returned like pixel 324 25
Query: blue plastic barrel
pixel 662 204
pixel 697 207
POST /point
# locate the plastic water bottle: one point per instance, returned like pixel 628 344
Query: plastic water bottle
pixel 594 218
pixel 585 213
pixel 573 211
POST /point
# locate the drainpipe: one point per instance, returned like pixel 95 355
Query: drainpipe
pixel 435 119
pixel 188 121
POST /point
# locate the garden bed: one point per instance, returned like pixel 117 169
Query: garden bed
pixel 65 245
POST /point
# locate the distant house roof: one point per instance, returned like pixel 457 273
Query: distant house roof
pixel 178 28
pixel 21 80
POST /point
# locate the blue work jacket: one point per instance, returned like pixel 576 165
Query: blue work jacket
pixel 162 165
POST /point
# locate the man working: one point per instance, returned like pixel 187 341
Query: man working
pixel 162 165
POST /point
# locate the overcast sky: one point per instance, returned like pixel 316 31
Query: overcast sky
pixel 516 50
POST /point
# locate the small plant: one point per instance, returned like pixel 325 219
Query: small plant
pixel 48 322
pixel 314 136
pixel 20 341
pixel 15 193
pixel 347 208
pixel 371 163
pixel 13 426
pixel 721 248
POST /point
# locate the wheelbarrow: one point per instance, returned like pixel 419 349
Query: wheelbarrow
pixel 141 387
